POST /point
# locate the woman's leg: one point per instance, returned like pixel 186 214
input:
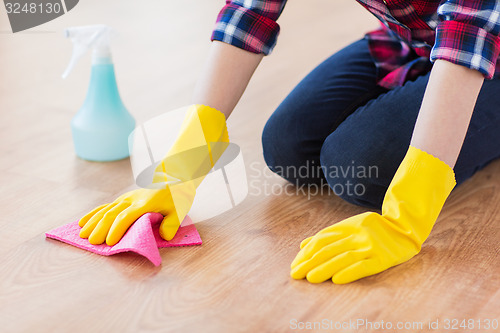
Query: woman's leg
pixel 295 132
pixel 371 143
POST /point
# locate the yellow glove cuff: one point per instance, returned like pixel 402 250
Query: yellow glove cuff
pixel 417 194
pixel 202 140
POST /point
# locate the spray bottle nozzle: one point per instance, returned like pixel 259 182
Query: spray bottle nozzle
pixel 95 37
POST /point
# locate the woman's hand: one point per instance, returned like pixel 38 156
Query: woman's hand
pixel 370 243
pixel 109 222
pixel 359 246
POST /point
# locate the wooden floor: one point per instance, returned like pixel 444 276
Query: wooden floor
pixel 238 280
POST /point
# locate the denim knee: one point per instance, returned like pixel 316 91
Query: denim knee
pixel 287 154
pixel 353 174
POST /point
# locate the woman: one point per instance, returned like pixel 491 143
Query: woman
pixel 407 99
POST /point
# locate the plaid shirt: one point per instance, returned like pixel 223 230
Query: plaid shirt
pixel 413 34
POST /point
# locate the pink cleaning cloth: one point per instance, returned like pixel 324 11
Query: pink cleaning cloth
pixel 143 237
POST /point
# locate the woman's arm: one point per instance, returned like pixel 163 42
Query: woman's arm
pixel 369 243
pixel 446 110
pixel 225 76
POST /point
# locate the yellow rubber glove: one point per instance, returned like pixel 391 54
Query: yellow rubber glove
pixel 202 140
pixel 109 222
pixel 370 243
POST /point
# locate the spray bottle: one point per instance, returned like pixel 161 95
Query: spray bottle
pixel 102 125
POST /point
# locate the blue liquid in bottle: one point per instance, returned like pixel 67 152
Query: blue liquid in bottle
pixel 102 125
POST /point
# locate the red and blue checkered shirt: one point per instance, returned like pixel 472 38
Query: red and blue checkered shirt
pixel 413 34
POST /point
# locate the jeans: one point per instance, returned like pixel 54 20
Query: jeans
pixel 340 129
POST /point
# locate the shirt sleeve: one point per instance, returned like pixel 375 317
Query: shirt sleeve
pixel 467 34
pixel 249 24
